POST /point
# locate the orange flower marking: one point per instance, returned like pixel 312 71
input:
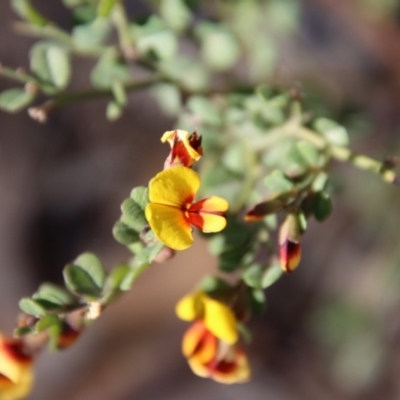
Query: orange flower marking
pixel 210 357
pixel 171 210
pixel 185 148
pixel 15 370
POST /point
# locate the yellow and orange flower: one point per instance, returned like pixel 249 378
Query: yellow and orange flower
pixel 16 375
pixel 185 148
pixel 172 209
pixel 211 342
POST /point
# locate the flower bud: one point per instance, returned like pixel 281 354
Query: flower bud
pixel 68 336
pixel 289 243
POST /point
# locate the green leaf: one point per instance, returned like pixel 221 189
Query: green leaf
pixel 23 330
pixel 176 14
pixel 108 71
pixel 31 307
pixel 204 110
pixel 168 98
pixel 149 253
pixel 220 49
pixel 92 264
pixel 257 300
pixel 92 34
pixel 252 276
pixel 277 184
pixel 271 275
pixel 80 282
pixel 214 286
pixel 308 152
pixel 234 157
pixel 119 93
pixel 334 133
pixel 124 234
pixel 46 322
pixel 25 10
pixel 140 195
pixel 113 111
pixel 14 100
pixel 322 206
pixel 116 277
pixel 161 45
pixel 186 72
pixel 59 66
pixel 133 215
pixel 51 64
pixel 54 294
pixel 54 331
pixel 320 182
pixel 105 7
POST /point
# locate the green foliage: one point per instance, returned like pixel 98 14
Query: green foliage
pixel 176 14
pixel 14 100
pixel 80 282
pixel 25 9
pixel 50 63
pixel 32 307
pixel 333 132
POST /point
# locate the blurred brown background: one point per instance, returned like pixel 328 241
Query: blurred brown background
pixel 331 330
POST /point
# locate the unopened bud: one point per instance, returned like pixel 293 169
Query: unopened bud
pixel 289 243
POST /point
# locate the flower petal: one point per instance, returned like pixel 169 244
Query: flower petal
pixel 207 222
pixel 236 371
pixel 199 343
pixel 211 205
pixel 220 320
pixel 175 187
pixel 169 225
pixel 185 148
pixel 190 307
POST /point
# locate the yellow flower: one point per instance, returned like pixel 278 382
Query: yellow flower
pixel 171 210
pixel 218 318
pixel 210 357
pixel 210 344
pixel 185 148
pixel 16 375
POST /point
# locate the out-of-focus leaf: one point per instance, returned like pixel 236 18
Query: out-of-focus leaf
pixel 333 132
pixel 108 71
pixel 234 157
pixel 25 9
pixel 214 286
pixel 176 14
pixel 189 73
pixel 271 275
pixel 168 98
pixel 113 111
pixel 46 322
pixel 91 34
pixel 204 110
pixel 283 15
pixel 322 206
pixel 105 7
pixel 220 48
pixel 14 100
pixel 51 64
pixel 31 307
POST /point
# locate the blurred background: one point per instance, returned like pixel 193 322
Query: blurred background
pixel 331 330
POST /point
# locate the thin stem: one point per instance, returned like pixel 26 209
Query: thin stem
pixel 16 75
pixel 58 34
pixel 40 113
pixel 121 23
